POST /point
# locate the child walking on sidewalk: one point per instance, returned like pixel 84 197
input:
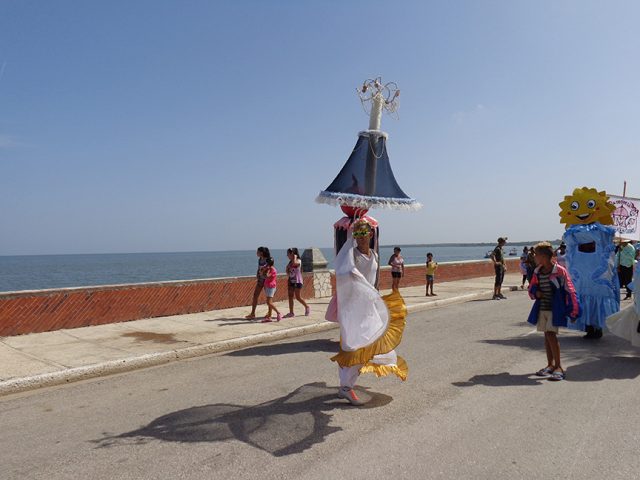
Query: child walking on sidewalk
pixel 294 287
pixel 270 284
pixel 263 254
pixel 555 300
pixel 431 272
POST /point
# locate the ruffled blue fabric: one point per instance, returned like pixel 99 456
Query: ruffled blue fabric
pixel 594 274
pixel 594 311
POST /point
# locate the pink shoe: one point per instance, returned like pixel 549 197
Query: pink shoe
pixel 307 311
pixel 278 317
pixel 349 394
pixel 266 319
pixel 289 315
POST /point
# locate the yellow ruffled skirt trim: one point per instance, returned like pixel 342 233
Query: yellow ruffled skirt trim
pixel 387 342
pixel 401 369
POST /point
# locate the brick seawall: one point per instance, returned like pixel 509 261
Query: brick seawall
pixel 46 310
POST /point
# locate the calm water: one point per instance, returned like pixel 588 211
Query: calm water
pixel 56 271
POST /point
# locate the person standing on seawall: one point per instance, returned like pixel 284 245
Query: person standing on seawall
pixel 497 257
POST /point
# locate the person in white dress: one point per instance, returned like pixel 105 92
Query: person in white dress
pixel 371 326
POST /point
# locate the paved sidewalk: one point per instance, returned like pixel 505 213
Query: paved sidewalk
pixel 52 358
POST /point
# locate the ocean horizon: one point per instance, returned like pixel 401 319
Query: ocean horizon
pixel 37 272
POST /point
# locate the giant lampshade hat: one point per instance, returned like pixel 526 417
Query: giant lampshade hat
pixel 366 180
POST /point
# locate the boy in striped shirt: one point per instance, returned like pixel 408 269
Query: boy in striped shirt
pixel 555 301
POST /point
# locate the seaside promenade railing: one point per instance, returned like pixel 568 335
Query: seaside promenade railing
pixel 47 310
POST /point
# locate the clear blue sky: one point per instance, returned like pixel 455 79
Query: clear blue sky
pixel 133 126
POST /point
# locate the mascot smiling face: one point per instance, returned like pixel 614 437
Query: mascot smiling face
pixel 584 206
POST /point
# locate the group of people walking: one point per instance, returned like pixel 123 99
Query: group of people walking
pixel 266 279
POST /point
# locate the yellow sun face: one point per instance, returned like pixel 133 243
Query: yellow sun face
pixel 586 205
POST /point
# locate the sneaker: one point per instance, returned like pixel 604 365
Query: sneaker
pixel 495 297
pixel 350 395
pixel 289 315
pixel 502 297
pixel 307 311
pixel 278 317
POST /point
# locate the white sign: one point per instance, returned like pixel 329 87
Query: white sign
pixel 625 217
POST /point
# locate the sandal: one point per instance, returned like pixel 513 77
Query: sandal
pixel 545 372
pixel 250 317
pixel 557 376
pixel 266 320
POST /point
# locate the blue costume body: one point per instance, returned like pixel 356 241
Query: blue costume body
pixel 593 273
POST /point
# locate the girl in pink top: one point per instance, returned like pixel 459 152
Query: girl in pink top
pixel 295 281
pixel 270 283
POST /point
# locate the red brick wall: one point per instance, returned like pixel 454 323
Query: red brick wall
pixel 46 310
pixel 415 274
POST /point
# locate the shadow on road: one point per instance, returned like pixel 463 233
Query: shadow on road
pixel 609 358
pixel 284 426
pixel 605 368
pixel 229 321
pixel 503 379
pixel 573 347
pixel 319 345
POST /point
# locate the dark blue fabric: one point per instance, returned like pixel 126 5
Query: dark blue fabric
pixel 352 177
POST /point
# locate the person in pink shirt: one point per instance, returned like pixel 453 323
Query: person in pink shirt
pixel 397 268
pixel 294 272
pixel 270 284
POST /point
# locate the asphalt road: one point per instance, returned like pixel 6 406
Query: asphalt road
pixel 470 409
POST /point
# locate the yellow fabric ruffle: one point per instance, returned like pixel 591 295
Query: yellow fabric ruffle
pixel 387 342
pixel 401 370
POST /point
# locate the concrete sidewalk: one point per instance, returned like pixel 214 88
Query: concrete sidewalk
pixel 53 358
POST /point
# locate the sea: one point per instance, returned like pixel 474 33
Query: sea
pixel 36 272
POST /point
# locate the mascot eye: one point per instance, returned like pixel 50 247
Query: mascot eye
pixel 575 205
pixel 591 204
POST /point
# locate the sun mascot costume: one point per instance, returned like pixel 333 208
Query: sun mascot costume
pixel 590 257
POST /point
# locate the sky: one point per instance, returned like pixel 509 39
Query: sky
pixel 160 126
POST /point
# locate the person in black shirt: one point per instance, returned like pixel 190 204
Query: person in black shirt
pixel 497 256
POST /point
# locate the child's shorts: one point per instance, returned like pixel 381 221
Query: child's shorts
pixel 396 274
pixel 429 278
pixel 295 285
pixel 269 292
pixel 545 322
